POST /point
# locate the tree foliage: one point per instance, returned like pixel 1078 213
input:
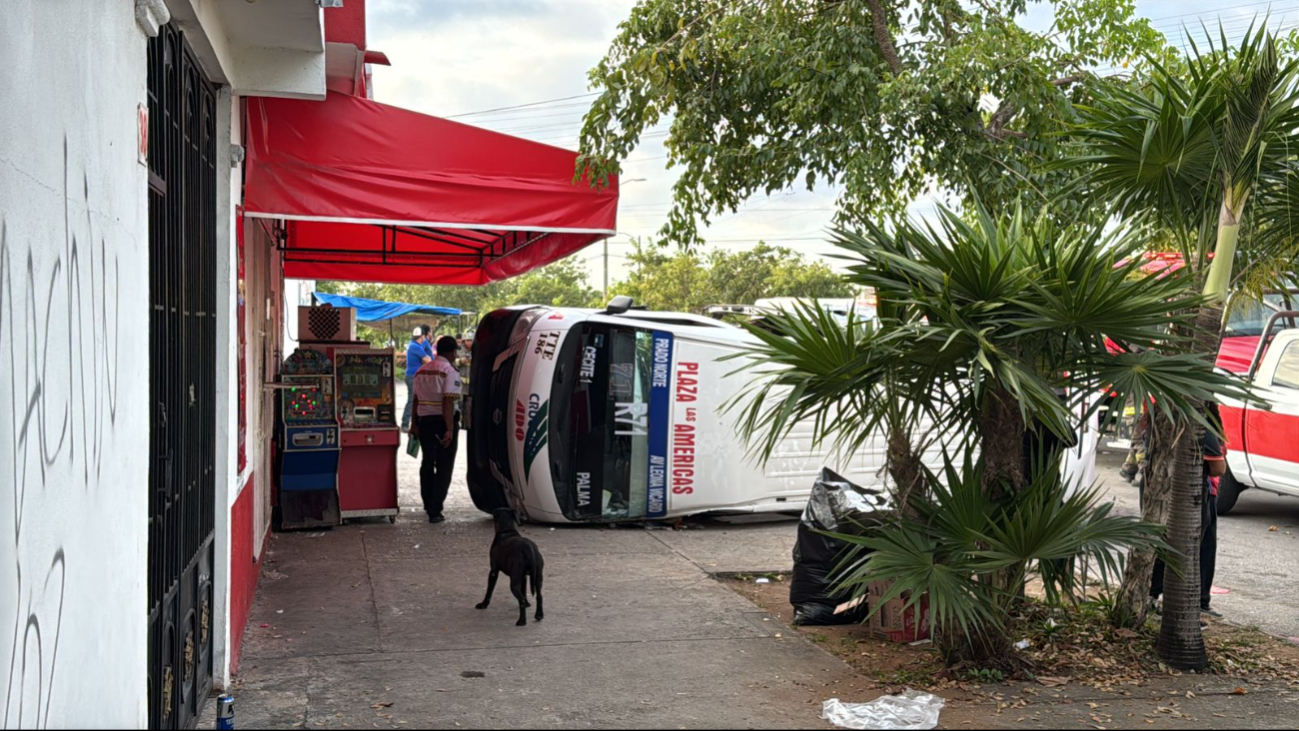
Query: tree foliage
pixel 561 284
pixel 688 281
pixel 996 336
pixel 677 282
pixel 1204 149
pixel 887 99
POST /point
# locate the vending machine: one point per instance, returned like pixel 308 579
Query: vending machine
pixel 307 495
pixel 370 437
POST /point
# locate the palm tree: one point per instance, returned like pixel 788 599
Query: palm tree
pixel 997 339
pixel 1199 152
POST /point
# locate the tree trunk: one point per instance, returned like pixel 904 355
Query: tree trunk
pixel 884 36
pixel 1001 432
pixel 1133 605
pixel 905 469
pixel 1218 282
pixel 1181 643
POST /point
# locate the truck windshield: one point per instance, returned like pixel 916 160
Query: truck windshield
pixel 1249 318
pixel 599 422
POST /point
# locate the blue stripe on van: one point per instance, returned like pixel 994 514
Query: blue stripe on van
pixel 660 418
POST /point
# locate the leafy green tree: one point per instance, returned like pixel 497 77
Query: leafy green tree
pixel 688 280
pixel 1204 151
pixel 561 284
pixel 998 333
pixel 885 98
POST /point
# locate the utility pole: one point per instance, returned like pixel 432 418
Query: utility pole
pixel 606 243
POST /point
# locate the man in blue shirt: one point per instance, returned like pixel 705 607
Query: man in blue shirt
pixel 428 340
pixel 417 354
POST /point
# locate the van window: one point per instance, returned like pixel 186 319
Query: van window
pixel 1287 369
pixel 600 422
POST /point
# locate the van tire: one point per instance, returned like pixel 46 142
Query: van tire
pixel 487 496
pixel 1229 491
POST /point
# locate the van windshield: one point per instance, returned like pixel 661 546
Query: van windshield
pixel 600 422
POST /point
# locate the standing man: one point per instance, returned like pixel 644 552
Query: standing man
pixel 417 354
pixel 428 340
pixel 437 392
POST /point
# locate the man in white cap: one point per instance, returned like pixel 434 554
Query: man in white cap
pixel 417 354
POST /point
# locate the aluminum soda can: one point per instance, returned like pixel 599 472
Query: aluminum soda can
pixel 225 712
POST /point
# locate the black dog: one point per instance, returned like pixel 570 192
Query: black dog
pixel 520 559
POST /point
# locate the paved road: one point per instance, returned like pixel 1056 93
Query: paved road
pixel 1259 567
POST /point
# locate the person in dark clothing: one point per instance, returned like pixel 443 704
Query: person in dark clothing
pixel 1215 466
pixel 437 390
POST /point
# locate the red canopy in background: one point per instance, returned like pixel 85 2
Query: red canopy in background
pixel 382 194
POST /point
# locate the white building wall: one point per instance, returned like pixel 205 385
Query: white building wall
pixel 74 389
pixel 297 293
pixel 228 476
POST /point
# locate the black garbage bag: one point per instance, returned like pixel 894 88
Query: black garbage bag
pixel 837 506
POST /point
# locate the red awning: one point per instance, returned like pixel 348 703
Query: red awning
pixel 381 194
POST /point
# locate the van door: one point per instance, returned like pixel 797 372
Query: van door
pixel 1272 428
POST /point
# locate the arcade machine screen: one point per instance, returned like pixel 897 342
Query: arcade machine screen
pixel 365 389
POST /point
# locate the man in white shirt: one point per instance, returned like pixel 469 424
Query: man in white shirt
pixel 437 393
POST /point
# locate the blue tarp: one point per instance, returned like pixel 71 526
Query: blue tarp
pixel 368 310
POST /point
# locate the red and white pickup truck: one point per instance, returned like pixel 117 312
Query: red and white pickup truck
pixel 1263 437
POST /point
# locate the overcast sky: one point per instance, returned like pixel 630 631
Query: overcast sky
pixel 464 57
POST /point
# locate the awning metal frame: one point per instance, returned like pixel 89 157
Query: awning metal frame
pixel 494 246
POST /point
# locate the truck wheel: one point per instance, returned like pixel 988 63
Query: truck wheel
pixel 1228 491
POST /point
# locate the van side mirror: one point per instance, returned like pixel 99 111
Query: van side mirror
pixel 619 305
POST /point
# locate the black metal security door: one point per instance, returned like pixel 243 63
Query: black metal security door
pixel 182 379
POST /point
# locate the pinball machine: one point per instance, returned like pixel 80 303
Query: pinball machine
pixel 308 436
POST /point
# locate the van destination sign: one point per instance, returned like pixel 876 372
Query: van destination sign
pixel 659 422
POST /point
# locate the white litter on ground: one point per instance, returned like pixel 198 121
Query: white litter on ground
pixel 911 710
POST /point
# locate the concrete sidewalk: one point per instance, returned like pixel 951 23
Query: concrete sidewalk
pixel 375 624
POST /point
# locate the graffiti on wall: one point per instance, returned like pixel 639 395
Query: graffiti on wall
pixel 59 327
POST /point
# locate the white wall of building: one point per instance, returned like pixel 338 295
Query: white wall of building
pixel 229 184
pixel 74 389
pixel 297 293
pixel 74 335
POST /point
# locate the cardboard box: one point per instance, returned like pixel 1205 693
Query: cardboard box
pixel 892 621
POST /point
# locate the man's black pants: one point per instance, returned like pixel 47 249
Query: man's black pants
pixel 1208 555
pixel 439 461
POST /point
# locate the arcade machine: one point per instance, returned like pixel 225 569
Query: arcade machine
pixel 370 438
pixel 309 443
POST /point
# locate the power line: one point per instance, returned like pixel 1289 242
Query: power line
pixel 1219 10
pixel 523 106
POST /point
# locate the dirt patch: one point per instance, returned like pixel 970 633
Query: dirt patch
pixel 1084 671
pixel 888 664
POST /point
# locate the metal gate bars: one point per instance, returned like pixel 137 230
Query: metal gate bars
pixel 182 379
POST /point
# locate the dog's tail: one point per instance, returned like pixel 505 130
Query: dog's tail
pixel 534 573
